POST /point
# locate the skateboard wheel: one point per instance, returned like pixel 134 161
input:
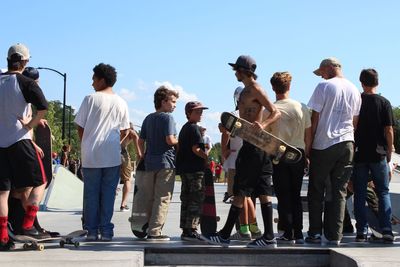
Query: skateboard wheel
pixel 276 220
pixel 238 124
pixel 282 148
pixel 62 243
pixel 26 246
pixel 76 244
pixel 40 247
pixel 275 161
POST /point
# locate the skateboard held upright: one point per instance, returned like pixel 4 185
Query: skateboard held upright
pixel 208 219
pixel 43 140
pixel 274 146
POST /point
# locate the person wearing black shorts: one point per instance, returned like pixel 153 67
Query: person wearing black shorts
pixel 253 166
pixel 20 162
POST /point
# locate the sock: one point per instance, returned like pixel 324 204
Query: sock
pixel 266 211
pixel 244 229
pixel 233 214
pixel 3 230
pixel 254 228
pixel 29 217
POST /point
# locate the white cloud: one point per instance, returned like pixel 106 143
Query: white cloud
pixel 213 116
pixel 127 95
pixel 183 95
pixel 137 116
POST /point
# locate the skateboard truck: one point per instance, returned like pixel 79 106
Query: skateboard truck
pixel 281 151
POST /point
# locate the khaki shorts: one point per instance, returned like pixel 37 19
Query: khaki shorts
pixel 126 168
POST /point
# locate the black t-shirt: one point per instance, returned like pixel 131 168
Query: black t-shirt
pixel 375 114
pixel 186 160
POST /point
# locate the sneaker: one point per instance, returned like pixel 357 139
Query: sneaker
pixel 215 239
pixel 226 197
pixel 361 238
pixel 7 246
pixel 255 235
pixel 124 208
pixel 374 239
pixel 285 240
pixel 32 232
pixel 91 238
pixel 156 238
pixel 313 239
pixel 240 236
pixel 262 242
pixel 193 236
pixel 298 237
pixel 106 238
pixel 388 237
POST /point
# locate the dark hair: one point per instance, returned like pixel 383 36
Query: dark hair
pixel 280 82
pixel 106 72
pixel 15 62
pixel 247 72
pixel 369 77
pixel 163 93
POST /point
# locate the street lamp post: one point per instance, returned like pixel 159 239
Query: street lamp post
pixel 64 97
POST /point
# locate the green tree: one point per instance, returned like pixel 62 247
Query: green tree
pixel 396 114
pixel 215 152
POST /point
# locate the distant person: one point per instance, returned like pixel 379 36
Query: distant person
pixel 206 138
pixel 293 127
pixel 253 165
pixel 218 172
pixel 66 149
pixel 19 161
pixel 374 146
pixel 126 166
pixel 102 117
pixel 191 162
pixel 335 106
pixel 157 141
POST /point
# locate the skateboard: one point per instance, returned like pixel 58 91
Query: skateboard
pixel 43 140
pixel 30 243
pixel 208 218
pixel 280 150
pixel 141 207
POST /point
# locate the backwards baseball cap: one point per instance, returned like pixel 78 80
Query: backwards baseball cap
pixel 19 49
pixel 244 62
pixel 330 61
pixel 193 105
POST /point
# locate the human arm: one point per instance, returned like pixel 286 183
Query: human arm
pixel 389 142
pixel 80 132
pixel 171 140
pixel 224 142
pixel 307 141
pixel 314 125
pixel 141 147
pixel 199 152
pixel 274 113
pixel 33 122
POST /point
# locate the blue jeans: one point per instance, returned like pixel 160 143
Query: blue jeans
pixel 379 172
pixel 99 189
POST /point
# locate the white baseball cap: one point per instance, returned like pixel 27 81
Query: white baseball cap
pixel 20 50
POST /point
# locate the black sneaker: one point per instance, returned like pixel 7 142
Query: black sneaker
pixel 226 197
pixel 7 246
pixel 215 239
pixel 285 240
pixel 361 238
pixel 156 238
pixel 298 237
pixel 388 237
pixel 313 239
pixel 193 236
pixel 262 242
pixel 32 232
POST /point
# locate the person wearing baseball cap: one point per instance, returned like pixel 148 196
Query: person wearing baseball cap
pixel 253 166
pixel 335 105
pixel 20 165
pixel 191 163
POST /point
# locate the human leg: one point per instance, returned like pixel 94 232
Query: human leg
pixel 91 200
pixel 126 174
pixel 109 183
pixel 142 199
pixel 163 189
pixel 360 181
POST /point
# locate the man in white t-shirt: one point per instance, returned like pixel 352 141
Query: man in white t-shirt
pixel 335 106
pixel 102 118
pixel 206 139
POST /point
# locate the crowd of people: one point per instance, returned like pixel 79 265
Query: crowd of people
pixel 343 135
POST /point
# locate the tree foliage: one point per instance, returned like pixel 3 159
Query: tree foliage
pixel 215 152
pixel 396 114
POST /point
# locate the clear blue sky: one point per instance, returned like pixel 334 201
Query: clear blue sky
pixel 189 43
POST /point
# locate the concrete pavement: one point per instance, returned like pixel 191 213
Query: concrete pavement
pixel 125 250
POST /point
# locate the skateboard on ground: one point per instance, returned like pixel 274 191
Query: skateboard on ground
pixel 208 219
pixel 43 140
pixel 30 243
pixel 280 150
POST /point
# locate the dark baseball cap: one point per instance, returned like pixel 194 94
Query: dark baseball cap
pixel 193 105
pixel 31 72
pixel 244 62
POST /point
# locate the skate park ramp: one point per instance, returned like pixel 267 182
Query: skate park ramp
pixel 64 193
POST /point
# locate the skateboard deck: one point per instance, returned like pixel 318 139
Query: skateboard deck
pixel 280 150
pixel 43 140
pixel 141 207
pixel 208 219
pixel 30 243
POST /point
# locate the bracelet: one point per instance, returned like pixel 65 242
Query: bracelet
pixel 26 126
